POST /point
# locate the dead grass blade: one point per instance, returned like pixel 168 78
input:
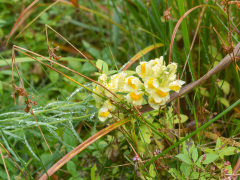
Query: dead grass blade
pixel 176 28
pixel 227 141
pixel 47 26
pixel 4 164
pixel 17 24
pixel 36 18
pixel 194 38
pixel 75 3
pixel 100 15
pixel 225 62
pixel 82 146
pixel 20 49
pixel 141 53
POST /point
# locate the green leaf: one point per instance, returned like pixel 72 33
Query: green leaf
pixel 184 158
pixel 145 134
pixel 69 138
pixel 225 86
pixel 76 65
pixel 175 174
pixel 227 151
pixel 229 167
pixel 88 68
pixel 209 158
pixel 152 171
pixel 195 155
pixel 188 147
pixel 102 65
pixel 71 167
pixel 183 117
pixel 93 175
pixel 218 144
pixel 54 76
pixel 115 170
pixel 111 72
pixel 93 51
pixel 194 175
pixel 186 169
pixel 1 87
pixel 130 73
pixel 207 150
pixel 204 92
pixel 224 101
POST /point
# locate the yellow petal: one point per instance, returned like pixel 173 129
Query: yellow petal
pixel 153 101
pixel 143 68
pixel 131 84
pixel 135 97
pixel 175 88
pixel 104 114
pixel 150 83
pixel 161 93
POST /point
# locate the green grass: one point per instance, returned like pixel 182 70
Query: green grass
pixel 115 32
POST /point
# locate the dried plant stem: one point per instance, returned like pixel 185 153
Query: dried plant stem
pixel 17 49
pixel 13 160
pixel 194 38
pixel 28 103
pixel 47 26
pixel 223 139
pixel 5 167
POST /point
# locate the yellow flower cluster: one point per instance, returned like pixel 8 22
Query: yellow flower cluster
pixel 157 80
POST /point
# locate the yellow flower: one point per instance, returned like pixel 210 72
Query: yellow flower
pixel 104 114
pixel 144 70
pixel 162 92
pixel 176 85
pixel 113 88
pixel 103 79
pixel 107 104
pixel 98 90
pixel 155 103
pixel 117 81
pixel 135 97
pixel 151 84
pixel 159 97
pixel 158 71
pixel 172 69
pixel 159 61
pixel 132 83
